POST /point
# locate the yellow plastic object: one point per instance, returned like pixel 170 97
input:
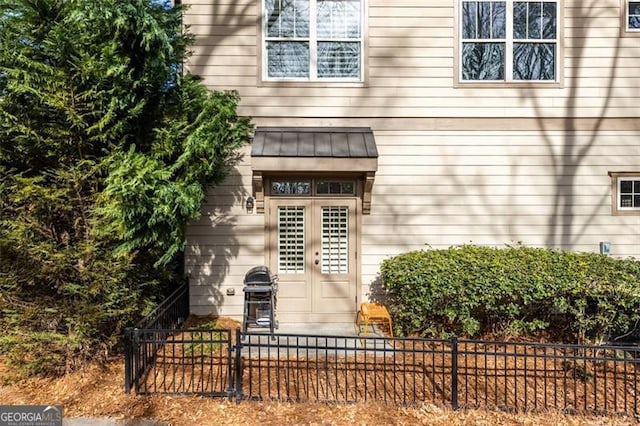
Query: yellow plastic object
pixel 373 313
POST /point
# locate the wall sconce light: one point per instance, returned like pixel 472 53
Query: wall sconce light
pixel 249 204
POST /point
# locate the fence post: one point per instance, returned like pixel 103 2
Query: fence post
pixel 128 354
pixel 135 359
pixel 238 384
pixel 454 372
pixel 231 379
pixel 185 302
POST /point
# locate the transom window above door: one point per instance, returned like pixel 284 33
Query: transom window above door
pixel 509 41
pixel 312 40
pixel 315 187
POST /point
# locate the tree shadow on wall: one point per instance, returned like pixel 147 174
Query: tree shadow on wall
pixel 570 154
pixel 208 258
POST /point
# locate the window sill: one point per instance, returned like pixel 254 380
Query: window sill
pixel 306 83
pixel 625 213
pixel 626 32
pixel 508 85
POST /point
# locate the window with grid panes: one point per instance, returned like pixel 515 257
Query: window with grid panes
pixel 509 41
pixel 314 40
pixel 629 193
pixel 633 15
pixel 625 193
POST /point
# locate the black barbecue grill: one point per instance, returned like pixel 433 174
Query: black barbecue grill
pixel 260 289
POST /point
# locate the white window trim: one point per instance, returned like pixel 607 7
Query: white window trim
pixel 313 48
pixel 508 40
pixel 616 179
pixel 625 14
pixel 619 192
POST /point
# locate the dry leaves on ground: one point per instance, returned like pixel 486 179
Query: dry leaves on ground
pixel 97 391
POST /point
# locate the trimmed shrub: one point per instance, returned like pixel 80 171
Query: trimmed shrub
pixel 472 290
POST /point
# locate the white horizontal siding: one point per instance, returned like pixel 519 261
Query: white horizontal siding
pixel 405 92
pixel 433 188
pixel 437 189
pixel 364 109
pixel 416 103
pixel 223 244
pixel 410 66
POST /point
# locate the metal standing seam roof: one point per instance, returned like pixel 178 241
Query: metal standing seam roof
pixel 339 142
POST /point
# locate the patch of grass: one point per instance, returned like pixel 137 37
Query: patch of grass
pixel 205 342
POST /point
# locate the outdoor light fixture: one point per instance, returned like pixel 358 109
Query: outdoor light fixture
pixel 249 204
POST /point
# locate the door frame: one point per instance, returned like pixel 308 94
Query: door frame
pixel 271 202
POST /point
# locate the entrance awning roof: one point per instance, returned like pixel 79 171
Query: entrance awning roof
pixel 337 142
pixel 314 150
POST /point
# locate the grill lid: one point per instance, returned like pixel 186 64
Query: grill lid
pixel 259 275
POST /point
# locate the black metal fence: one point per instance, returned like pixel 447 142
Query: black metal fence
pixel 162 358
pixel 171 313
pixel 182 362
pixel 542 376
pixel 453 372
pixel 143 341
pixel 459 373
pixel 344 369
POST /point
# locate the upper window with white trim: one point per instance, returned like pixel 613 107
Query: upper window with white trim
pixel 633 16
pixel 510 41
pixel 312 40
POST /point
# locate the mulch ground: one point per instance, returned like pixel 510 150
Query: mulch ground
pixel 98 391
pixel 525 377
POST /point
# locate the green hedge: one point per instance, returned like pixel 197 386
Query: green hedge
pixel 471 290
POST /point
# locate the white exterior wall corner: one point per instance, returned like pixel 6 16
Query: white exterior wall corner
pixel 490 166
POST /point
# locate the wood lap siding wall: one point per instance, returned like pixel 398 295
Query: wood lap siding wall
pixel 223 245
pixel 442 188
pixel 410 66
pixel 458 164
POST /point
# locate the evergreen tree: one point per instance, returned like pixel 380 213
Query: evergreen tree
pixel 105 152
